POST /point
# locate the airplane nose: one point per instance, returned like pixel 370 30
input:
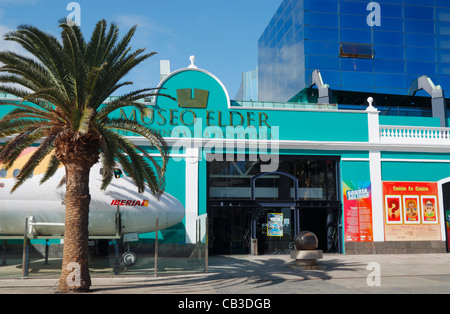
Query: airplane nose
pixel 178 215
pixel 175 210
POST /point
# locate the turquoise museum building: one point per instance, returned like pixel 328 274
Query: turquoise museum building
pixel 346 136
pixel 261 172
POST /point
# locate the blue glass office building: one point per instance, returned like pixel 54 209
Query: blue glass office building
pixel 376 48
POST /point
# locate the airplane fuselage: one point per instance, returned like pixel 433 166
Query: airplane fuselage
pixel 45 204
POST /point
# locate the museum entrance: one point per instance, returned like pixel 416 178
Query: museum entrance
pixel 229 230
pixel 251 212
pixel 232 230
pixel 271 227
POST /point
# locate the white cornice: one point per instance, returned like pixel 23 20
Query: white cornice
pixel 294 144
pixel 304 145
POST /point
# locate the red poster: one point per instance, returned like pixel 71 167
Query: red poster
pixel 393 209
pixel 358 211
pixel 411 211
pixel 429 214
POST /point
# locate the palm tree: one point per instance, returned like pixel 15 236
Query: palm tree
pixel 64 86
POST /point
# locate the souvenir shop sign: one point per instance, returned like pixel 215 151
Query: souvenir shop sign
pixel 411 211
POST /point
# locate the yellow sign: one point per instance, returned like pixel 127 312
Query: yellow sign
pixel 275 225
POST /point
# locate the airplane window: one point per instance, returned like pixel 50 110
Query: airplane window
pixel 16 172
pixel 118 173
pixel 3 173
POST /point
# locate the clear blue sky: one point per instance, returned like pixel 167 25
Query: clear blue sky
pixel 222 34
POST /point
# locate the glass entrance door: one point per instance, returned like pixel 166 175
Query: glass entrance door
pixel 229 231
pixel 274 229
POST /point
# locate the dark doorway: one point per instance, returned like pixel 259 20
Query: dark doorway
pixel 229 230
pixel 315 220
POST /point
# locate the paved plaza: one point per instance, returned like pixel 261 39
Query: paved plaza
pixel 272 274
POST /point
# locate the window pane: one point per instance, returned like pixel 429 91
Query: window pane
pixel 321 48
pixel 351 7
pixel 354 21
pixel 419 40
pixel 321 62
pixel 321 19
pixel 389 52
pixel 391 10
pixel 421 13
pixel 443 3
pixel 231 180
pixel 391 24
pixel 389 66
pixel 320 33
pixel 419 26
pixel 349 50
pixel 443 55
pixel 390 80
pixel 356 36
pixel 391 1
pixel 443 42
pixel 321 5
pixel 420 54
pixel 443 28
pixel 421 68
pixel 352 64
pixel 358 78
pixel 388 38
pixel 443 15
pixel 420 2
pixel 444 69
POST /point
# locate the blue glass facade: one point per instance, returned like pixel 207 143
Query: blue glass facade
pixel 412 39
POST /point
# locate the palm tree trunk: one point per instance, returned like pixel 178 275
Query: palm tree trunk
pixel 75 269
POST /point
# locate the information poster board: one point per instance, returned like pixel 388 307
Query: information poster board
pixel 275 225
pixel 411 211
pixel 358 211
pixel 447 225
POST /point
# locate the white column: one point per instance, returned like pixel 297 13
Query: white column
pixel 373 122
pixel 375 173
pixel 192 159
pixel 377 195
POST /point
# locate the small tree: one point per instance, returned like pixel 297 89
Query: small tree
pixel 64 87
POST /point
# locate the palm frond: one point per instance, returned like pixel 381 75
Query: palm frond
pixel 27 68
pixel 81 120
pixel 74 48
pixel 101 43
pixel 48 50
pixel 129 99
pixel 51 169
pixel 62 91
pixel 154 138
pixel 16 146
pixel 42 151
